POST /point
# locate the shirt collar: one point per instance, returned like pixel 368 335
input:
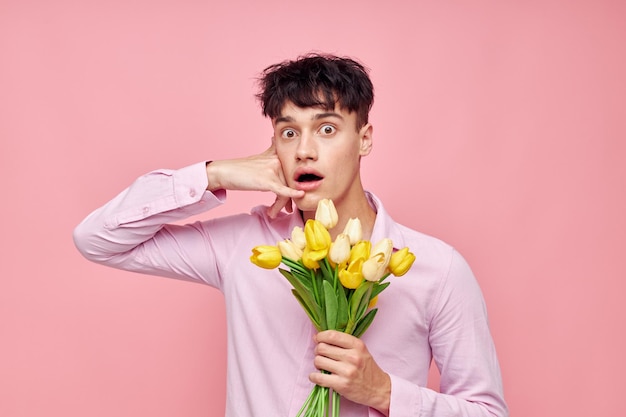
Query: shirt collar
pixel 384 225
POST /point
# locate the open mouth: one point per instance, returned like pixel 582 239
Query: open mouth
pixel 308 178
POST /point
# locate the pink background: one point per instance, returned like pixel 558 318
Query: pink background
pixel 499 127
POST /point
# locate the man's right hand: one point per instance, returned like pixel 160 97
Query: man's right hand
pixel 262 172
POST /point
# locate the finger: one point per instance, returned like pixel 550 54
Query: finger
pixel 339 339
pixel 323 379
pixel 285 190
pixel 329 364
pixel 325 352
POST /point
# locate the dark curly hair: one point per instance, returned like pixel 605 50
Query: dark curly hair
pixel 317 80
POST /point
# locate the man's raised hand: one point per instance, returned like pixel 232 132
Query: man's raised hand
pixel 262 172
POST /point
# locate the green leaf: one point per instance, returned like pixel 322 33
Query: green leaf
pixel 305 307
pixel 327 272
pixel 364 323
pixel 330 305
pixel 305 295
pixel 295 266
pixel 359 297
pixel 318 294
pixel 342 308
pixel 365 301
pixel 378 288
pixel 305 278
pixel 299 271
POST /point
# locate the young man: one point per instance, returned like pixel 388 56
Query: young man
pixel 319 106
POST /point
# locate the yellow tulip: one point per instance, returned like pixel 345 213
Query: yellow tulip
pixel 326 213
pixel 316 255
pixel 310 258
pixel 298 238
pixel 290 250
pixel 375 267
pixel 354 230
pixel 340 249
pixel 268 257
pixel 401 261
pixel 317 236
pixel 351 277
pixel 361 250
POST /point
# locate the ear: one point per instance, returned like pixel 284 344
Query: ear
pixel 365 136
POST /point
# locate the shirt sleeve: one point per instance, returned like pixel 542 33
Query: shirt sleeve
pixel 464 352
pixel 135 231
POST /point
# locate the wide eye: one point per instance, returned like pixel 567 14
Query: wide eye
pixel 327 130
pixel 288 134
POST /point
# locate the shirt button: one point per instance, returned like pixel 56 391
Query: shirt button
pixel 146 210
pixel 192 193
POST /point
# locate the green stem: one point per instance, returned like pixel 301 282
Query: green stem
pixel 336 399
pixel 350 326
pixel 308 401
pixel 290 263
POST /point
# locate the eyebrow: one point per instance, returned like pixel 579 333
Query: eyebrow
pixel 289 119
pixel 328 114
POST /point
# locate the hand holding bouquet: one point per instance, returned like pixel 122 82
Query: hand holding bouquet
pixel 336 283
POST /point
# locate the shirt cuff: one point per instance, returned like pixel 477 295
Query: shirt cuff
pixel 406 400
pixel 190 185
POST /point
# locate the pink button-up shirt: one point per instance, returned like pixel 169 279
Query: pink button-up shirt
pixel 434 311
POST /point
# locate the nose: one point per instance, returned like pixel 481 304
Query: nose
pixel 307 147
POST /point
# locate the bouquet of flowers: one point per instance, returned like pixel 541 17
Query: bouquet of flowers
pixel 336 283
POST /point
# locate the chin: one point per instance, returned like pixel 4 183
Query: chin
pixel 308 203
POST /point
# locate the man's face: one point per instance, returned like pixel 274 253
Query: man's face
pixel 320 153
